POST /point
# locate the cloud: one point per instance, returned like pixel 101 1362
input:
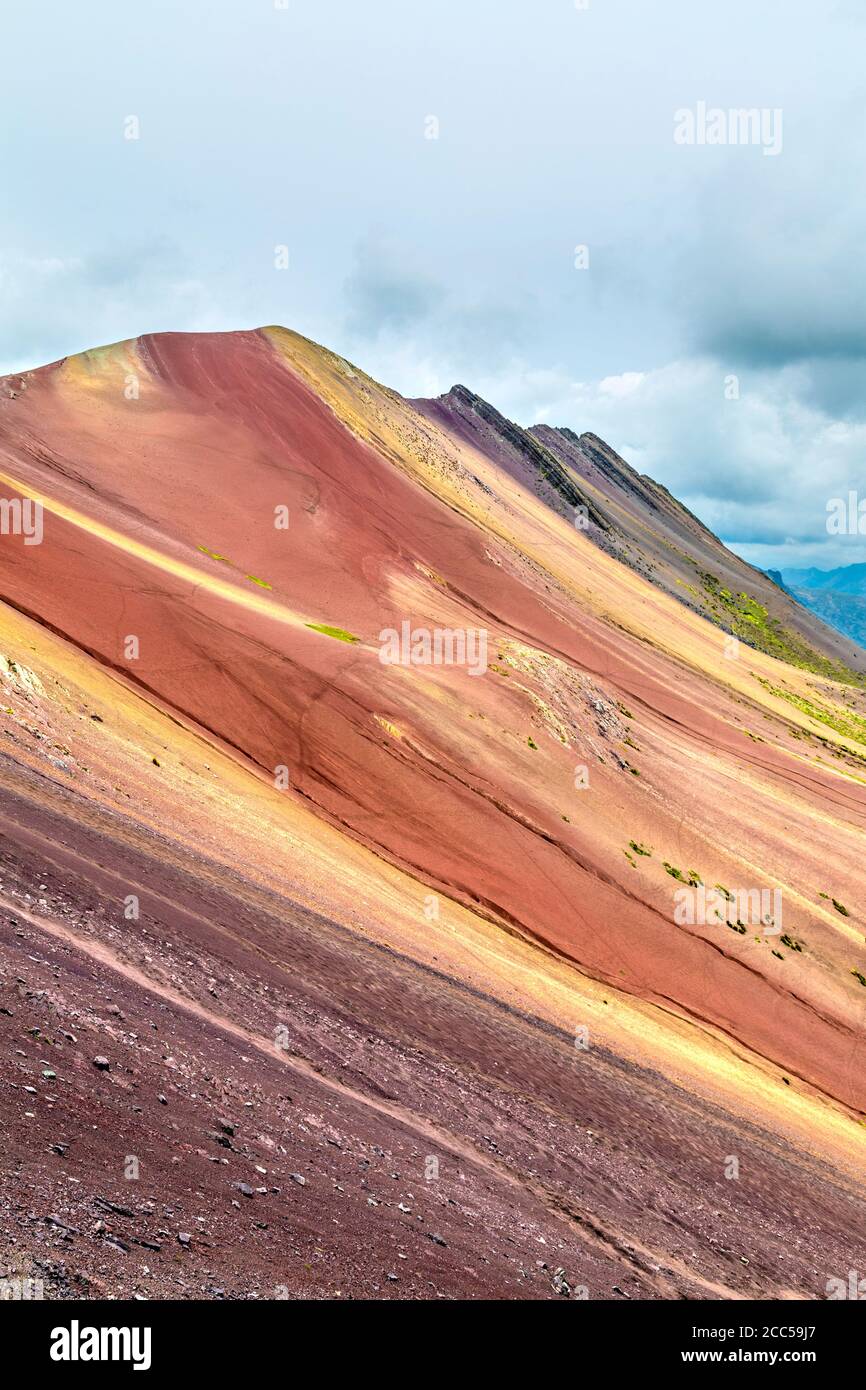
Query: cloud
pixel 769 269
pixel 619 386
pixel 435 261
pixel 384 297
pixel 758 467
pixel 399 319
pixel 54 305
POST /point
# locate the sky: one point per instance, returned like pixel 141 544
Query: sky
pixel 504 193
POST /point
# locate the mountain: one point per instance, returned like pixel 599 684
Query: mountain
pixel 847 612
pixel 847 579
pixel 361 813
pixel 837 596
pixel 637 521
pixel 777 579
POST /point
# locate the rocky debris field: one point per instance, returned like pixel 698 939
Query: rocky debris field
pixel 219 1102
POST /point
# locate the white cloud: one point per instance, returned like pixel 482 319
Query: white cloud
pixel 623 385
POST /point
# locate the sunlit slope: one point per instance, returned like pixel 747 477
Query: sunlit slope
pixel 80 738
pixel 164 466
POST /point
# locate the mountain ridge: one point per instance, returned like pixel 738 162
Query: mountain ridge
pixel 424 882
pixel 639 522
pixel 845 579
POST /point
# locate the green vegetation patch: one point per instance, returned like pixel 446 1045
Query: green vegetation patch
pixel 849 725
pixel 750 621
pixel 339 633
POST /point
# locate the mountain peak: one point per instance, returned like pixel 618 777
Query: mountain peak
pixel 397 744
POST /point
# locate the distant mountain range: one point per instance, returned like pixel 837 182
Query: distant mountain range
pixel 838 596
pixel 848 579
